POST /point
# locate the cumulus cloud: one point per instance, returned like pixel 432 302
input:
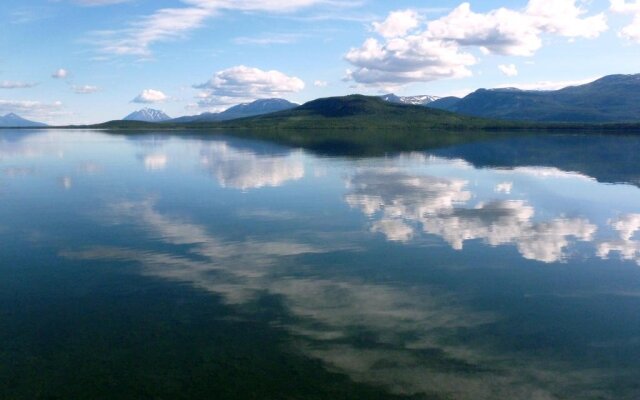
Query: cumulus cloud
pixel 547 85
pixel 631 31
pixel 92 3
pixel 502 31
pixel 16 85
pixel 410 52
pixel 509 70
pixel 85 89
pixel 150 96
pixel 60 74
pixel 31 109
pixel 414 58
pixel 398 23
pixel 242 83
pixel 269 38
pixel 320 84
pixel 174 23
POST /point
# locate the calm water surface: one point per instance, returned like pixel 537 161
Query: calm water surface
pixel 186 267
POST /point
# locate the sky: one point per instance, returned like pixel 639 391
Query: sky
pixel 89 61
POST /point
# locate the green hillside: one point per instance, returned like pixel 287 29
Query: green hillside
pixel 363 112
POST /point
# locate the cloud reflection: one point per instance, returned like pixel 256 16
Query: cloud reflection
pixel 239 169
pixel 155 162
pixel 629 249
pixel 401 203
pixel 409 331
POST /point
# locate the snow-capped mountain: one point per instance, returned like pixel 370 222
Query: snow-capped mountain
pixel 147 115
pixel 412 100
pixel 15 121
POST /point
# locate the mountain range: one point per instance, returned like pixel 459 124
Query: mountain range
pixel 147 115
pixel 15 121
pixel 612 99
pixel 258 107
pixel 422 100
pixel 255 108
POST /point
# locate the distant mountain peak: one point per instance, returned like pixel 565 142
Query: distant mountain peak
pixel 13 120
pixel 147 115
pixel 421 100
pixel 254 108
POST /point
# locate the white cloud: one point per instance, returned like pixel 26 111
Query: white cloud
pixel 16 85
pixel 631 31
pixel 621 6
pixel 512 32
pixel 320 84
pixel 509 70
pixel 501 31
pixel 175 23
pixel 269 38
pixel 92 3
pixel 85 89
pixel 410 53
pixel 26 108
pixel 60 74
pixel 242 83
pixel 566 18
pixel 398 23
pixel 150 96
pixel 413 58
pixel 547 85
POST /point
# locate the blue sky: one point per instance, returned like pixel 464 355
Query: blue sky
pixel 84 61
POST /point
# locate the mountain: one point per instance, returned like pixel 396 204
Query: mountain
pixel 147 115
pixel 360 112
pixel 614 98
pixel 16 121
pixel 445 103
pixel 412 100
pixel 258 107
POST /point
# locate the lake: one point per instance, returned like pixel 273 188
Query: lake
pixel 185 266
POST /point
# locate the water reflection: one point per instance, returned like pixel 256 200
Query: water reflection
pixel 629 249
pixel 406 318
pixel 241 169
pixel 155 161
pixel 401 203
pixel 400 336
